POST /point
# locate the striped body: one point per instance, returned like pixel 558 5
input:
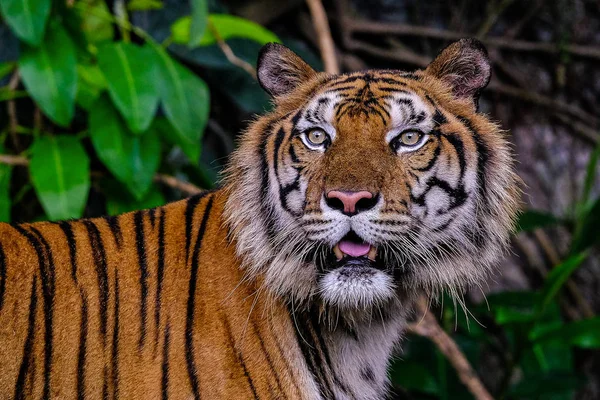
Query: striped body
pixel 147 305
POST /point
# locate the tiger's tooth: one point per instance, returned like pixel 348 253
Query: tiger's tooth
pixel 372 253
pixel 338 253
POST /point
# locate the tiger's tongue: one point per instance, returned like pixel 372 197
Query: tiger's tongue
pixel 354 249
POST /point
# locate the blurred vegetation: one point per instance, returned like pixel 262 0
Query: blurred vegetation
pixel 101 100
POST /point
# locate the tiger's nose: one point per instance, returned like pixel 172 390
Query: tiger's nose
pixel 350 203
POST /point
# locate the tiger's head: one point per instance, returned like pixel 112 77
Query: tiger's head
pixel 368 187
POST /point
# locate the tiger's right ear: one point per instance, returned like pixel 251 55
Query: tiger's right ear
pixel 280 70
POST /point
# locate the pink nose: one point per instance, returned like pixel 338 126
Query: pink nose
pixel 350 203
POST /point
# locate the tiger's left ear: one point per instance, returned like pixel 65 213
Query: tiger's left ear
pixel 465 66
pixel 280 70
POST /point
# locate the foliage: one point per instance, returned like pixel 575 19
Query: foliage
pixel 103 106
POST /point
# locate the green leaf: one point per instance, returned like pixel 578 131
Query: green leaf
pixel 49 73
pixel 60 172
pixel 411 375
pixel 533 219
pixel 119 201
pixel 91 84
pixel 144 5
pixel 557 278
pixel 96 19
pixel 584 333
pixel 169 135
pixel 199 20
pixel 132 159
pixel 5 199
pixel 590 175
pixel 546 386
pixel 26 18
pixel 587 232
pixel 227 26
pixel 6 68
pixel 185 100
pixel 130 74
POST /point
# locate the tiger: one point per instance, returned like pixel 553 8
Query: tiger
pixel 355 195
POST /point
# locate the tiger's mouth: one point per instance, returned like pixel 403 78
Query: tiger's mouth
pixel 352 246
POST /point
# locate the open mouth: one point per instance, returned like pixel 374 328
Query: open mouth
pixel 352 246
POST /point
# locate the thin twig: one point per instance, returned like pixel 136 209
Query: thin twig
pixel 381 28
pixel 168 180
pixel 171 181
pixel 228 52
pixel 326 45
pixel 428 327
pixel 13 160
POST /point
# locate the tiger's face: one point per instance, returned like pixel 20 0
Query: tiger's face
pixel 365 188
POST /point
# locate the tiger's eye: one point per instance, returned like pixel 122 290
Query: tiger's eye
pixel 410 138
pixel 317 137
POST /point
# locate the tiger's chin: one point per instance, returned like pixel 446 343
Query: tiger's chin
pixel 355 278
pixel 356 283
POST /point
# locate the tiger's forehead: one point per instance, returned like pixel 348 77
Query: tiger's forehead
pixel 391 101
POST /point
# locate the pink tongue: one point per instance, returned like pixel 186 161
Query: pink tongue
pixel 354 249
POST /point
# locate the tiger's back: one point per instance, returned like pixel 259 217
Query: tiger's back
pixel 144 305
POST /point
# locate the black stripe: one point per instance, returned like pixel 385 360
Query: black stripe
pixel 164 382
pixel 431 163
pixel 483 156
pixel 266 205
pixel 325 351
pixel 140 243
pixel 72 245
pixel 99 255
pixel 83 333
pixel 152 216
pixel 24 369
pixel 160 269
pixel 457 143
pixel 2 276
pixel 269 361
pixel 306 341
pixel 189 325
pixel 239 357
pixel 115 228
pixel 48 289
pixel 190 207
pixel 115 342
pixel 284 359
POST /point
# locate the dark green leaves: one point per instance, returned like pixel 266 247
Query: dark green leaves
pixel 49 73
pixel 533 219
pixel 60 171
pixel 185 101
pixel 129 72
pixel 5 203
pixel 585 334
pixel 557 278
pixel 132 159
pixel 199 20
pixel 27 18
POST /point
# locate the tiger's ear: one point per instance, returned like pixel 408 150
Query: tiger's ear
pixel 280 70
pixel 465 66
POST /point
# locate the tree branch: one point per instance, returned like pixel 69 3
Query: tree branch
pixel 229 54
pixel 326 45
pixel 429 328
pixel 168 180
pixel 373 27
